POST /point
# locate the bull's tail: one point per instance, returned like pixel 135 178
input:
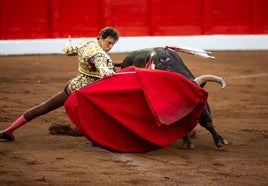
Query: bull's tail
pixel 201 80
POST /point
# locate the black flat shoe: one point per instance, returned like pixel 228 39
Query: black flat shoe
pixel 3 135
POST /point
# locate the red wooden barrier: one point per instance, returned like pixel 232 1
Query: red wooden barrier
pixel 30 19
pixel 229 17
pixel 177 17
pixel 24 19
pixel 77 18
pixel 131 18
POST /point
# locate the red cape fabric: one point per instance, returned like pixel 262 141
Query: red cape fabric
pixel 137 110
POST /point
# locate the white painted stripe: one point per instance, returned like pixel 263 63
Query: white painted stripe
pixel 248 76
pixel 125 157
pixel 141 166
pixel 128 44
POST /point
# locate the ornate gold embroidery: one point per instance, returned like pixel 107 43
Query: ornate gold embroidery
pixel 80 81
pixel 93 62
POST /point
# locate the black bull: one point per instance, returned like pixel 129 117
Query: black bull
pixel 168 59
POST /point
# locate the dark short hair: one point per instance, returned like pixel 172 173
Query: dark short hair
pixel 108 32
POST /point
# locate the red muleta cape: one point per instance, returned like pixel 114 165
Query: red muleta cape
pixel 137 110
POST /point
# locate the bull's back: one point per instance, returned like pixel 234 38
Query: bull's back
pixel 137 58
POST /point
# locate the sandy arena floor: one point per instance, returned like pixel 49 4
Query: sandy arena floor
pixel 36 157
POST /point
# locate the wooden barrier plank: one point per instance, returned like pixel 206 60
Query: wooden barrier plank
pixel 33 19
pixel 20 19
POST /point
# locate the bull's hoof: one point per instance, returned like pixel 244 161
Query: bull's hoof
pixel 221 143
pixel 188 145
pixel 4 136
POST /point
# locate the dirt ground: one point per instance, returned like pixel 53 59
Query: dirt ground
pixel 240 113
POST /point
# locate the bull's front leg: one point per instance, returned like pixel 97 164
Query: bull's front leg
pixel 205 121
pixel 187 142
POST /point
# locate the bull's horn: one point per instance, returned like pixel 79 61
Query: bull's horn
pixel 205 78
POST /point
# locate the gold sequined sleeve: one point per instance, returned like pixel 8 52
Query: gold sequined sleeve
pixel 71 51
pixel 102 63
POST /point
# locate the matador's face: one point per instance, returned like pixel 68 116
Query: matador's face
pixel 107 43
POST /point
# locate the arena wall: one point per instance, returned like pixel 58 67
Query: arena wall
pixel 41 26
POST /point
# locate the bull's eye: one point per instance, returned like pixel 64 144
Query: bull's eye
pixel 167 59
pixel 162 60
pixel 161 64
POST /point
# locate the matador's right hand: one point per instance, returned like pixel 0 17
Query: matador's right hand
pixel 108 73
